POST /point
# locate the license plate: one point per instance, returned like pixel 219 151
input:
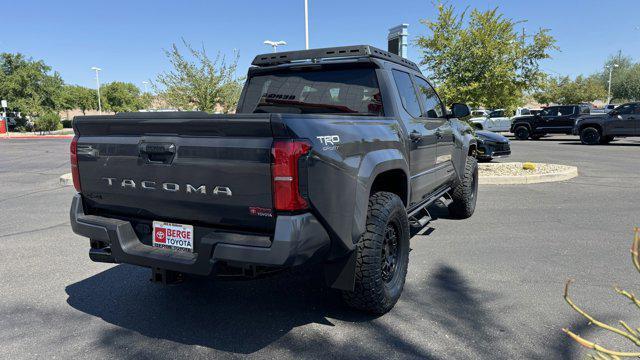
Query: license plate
pixel 172 236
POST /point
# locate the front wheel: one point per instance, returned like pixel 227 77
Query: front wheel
pixel 382 256
pixel 521 132
pixel 465 191
pixel 590 136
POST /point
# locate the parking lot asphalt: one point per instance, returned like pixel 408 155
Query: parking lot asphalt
pixel 487 287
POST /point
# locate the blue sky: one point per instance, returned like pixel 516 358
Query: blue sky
pixel 126 38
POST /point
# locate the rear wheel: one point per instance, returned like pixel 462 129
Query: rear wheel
pixel 590 136
pixel 522 133
pixel 465 192
pixel 382 256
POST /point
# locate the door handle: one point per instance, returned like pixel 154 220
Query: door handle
pixel 415 136
pixel 157 153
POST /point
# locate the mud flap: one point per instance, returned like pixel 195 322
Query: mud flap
pixel 341 273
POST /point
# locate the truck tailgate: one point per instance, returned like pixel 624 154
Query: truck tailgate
pixel 188 167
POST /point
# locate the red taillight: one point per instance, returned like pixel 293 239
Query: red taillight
pixel 75 174
pixel 284 172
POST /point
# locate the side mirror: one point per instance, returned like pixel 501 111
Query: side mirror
pixel 459 110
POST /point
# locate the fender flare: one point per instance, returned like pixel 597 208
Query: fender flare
pixel 460 157
pixel 522 123
pixel 373 164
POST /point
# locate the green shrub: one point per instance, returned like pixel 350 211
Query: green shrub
pixel 48 122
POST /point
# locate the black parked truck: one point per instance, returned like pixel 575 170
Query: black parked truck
pixel 332 156
pixel 551 120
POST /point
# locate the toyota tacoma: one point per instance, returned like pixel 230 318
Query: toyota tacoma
pixel 332 158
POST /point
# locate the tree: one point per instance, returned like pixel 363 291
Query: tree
pixel 480 59
pixel 30 85
pixel 625 78
pixel 564 90
pixel 79 97
pixel 48 121
pixel 199 83
pixel 120 97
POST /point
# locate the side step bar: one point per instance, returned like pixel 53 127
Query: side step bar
pixel 420 222
pixel 428 201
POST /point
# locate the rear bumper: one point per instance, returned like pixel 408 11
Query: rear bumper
pixel 297 239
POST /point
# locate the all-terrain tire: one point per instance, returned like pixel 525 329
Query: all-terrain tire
pixel 465 191
pixel 590 136
pixel 521 132
pixel 377 284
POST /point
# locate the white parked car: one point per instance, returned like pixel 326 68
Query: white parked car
pixel 492 120
pixel 479 113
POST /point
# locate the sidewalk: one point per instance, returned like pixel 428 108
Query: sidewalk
pixel 58 134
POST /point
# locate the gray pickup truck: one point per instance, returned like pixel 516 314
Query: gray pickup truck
pixel 622 121
pixel 333 155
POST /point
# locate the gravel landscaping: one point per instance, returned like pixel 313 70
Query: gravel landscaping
pixel 515 173
pixel 515 169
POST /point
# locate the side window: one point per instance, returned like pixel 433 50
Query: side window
pixel 565 110
pixel 496 113
pixel 407 92
pixel 430 100
pixel 625 109
pixel 553 111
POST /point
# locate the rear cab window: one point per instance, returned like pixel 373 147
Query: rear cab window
pixel 324 91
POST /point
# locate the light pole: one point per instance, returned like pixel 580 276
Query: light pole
pixel 275 44
pixel 609 91
pixel 145 83
pixel 97 70
pixel 306 24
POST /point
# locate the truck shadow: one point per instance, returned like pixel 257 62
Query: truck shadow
pixel 244 317
pixel 234 316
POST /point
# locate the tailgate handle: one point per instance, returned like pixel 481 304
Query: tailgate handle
pixel 157 153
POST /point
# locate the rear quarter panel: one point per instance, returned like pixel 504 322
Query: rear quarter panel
pixel 340 172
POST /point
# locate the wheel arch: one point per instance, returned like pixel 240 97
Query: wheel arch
pixel 525 124
pixel 593 125
pixel 381 170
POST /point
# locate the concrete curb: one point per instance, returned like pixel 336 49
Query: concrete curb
pixel 66 180
pixel 566 174
pixel 32 137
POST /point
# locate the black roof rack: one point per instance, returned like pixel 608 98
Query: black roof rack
pixel 334 52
